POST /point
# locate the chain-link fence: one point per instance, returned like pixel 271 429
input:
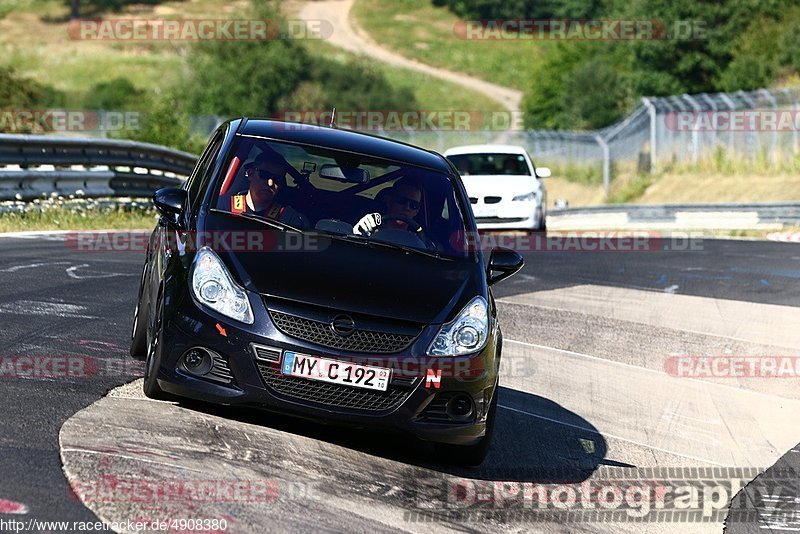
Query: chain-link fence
pixel 744 126
pixel 759 125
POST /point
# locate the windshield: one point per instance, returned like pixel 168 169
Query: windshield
pixel 513 164
pixel 357 197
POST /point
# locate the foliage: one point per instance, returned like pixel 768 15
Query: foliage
pixel 706 46
pixel 527 9
pixel 167 123
pixel 262 78
pixel 118 94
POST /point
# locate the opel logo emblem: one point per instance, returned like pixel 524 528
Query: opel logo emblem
pixel 343 325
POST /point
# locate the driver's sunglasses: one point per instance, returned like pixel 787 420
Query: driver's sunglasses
pixel 405 201
pixel 265 174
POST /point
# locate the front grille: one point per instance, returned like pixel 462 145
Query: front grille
pixel 492 200
pixel 480 220
pixel 332 394
pixel 321 334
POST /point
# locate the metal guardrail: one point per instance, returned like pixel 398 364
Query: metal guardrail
pixel 787 213
pixel 38 164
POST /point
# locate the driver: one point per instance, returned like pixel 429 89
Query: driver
pixel 267 177
pixel 403 198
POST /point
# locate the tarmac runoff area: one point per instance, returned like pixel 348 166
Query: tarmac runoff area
pixel 592 407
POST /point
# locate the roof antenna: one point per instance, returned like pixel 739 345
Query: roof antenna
pixel 333 119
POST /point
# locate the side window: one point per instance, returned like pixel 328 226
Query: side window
pixel 199 179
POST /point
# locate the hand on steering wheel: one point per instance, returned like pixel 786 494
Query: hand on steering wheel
pixel 413 226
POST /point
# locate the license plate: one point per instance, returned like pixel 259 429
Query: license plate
pixel 336 371
pixel 485 212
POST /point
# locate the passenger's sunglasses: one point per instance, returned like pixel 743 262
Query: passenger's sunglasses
pixel 405 201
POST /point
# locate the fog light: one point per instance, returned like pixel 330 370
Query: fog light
pixel 460 407
pixel 197 361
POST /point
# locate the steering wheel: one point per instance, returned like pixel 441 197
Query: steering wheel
pixel 413 226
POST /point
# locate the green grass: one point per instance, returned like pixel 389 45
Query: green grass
pixel 78 214
pixel 417 29
pixel 431 93
pixel 34 40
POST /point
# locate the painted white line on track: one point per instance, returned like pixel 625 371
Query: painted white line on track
pixel 606 434
pixel 645 369
pixel 38 307
pixel 640 405
pixel 32 266
pixel 72 273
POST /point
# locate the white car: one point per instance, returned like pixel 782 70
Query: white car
pixel 504 187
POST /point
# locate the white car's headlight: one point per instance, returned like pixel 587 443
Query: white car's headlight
pixel 213 286
pixel 466 334
pixel 528 196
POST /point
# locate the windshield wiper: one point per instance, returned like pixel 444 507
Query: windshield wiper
pixel 395 246
pixel 270 222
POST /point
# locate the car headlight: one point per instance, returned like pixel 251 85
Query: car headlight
pixel 213 286
pixel 466 334
pixel 528 196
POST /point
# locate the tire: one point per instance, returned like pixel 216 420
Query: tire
pixel 471 455
pixel 153 360
pixel 541 224
pixel 139 347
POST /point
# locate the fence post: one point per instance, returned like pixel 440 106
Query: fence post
pixel 695 132
pixel 651 110
pixel 606 162
pixel 731 136
pixel 794 130
pixel 774 136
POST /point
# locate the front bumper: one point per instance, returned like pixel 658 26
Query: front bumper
pixel 415 407
pixel 524 215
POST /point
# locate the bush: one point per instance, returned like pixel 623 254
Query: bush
pixel 19 92
pixel 167 123
pixel 527 9
pixel 118 94
pixel 263 78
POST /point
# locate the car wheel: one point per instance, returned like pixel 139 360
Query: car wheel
pixel 541 223
pixel 139 347
pixel 471 455
pixel 153 361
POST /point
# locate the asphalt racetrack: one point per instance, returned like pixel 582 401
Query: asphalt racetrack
pixel 603 401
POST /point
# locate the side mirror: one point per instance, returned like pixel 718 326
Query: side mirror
pixel 171 203
pixel 543 172
pixel 505 262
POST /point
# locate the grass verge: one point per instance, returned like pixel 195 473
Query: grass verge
pixel 417 29
pixel 77 214
pixel 34 40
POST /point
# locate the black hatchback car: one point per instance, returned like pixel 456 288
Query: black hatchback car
pixel 326 274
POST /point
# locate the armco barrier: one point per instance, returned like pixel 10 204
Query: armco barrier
pixel 31 165
pixel 759 213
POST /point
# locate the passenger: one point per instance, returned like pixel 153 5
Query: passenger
pixel 267 177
